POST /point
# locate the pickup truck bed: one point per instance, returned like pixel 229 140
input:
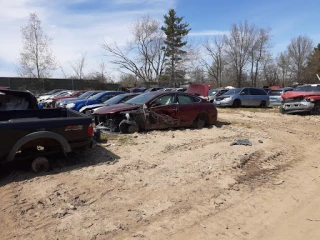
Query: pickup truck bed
pixel 31 133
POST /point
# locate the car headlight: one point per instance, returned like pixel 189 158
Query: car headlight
pixel 70 105
pixel 309 100
pixel 226 98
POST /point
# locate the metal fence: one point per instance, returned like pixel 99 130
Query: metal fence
pixel 42 85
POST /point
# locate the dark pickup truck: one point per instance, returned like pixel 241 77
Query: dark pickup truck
pixel 29 133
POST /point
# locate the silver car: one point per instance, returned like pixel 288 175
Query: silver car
pixel 238 97
pixel 275 95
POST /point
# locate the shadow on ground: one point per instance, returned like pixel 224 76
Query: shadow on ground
pixel 59 163
pixel 220 124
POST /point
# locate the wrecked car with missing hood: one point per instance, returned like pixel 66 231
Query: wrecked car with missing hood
pixel 303 99
pixel 156 110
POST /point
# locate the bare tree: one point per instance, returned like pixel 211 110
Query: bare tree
pixel 78 65
pixel 259 51
pixel 36 58
pixel 101 73
pixel 144 56
pixel 64 74
pixel 216 63
pixel 299 51
pixel 239 44
pixel 270 73
pixel 283 63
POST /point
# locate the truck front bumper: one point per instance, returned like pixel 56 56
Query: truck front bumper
pixel 296 107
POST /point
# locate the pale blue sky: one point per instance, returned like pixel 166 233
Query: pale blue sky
pixel 82 25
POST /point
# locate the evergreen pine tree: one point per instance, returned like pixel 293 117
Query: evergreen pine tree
pixel 175 31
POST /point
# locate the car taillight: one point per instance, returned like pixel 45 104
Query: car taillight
pixel 90 130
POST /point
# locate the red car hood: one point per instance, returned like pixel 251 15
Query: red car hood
pixel 198 88
pixel 115 108
pixel 292 94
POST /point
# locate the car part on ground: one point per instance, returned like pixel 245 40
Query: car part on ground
pixel 238 97
pixel 156 110
pixel 303 99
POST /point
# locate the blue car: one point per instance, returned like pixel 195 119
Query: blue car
pixel 95 99
pixel 63 102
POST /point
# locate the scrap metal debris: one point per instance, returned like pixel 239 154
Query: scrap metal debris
pixel 244 142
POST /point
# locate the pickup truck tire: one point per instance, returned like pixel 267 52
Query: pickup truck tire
pixel 282 111
pixel 40 164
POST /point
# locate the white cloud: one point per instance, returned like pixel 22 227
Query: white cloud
pixel 74 30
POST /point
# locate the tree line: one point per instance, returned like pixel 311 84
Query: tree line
pixel 160 53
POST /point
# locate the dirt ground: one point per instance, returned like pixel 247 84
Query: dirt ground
pixel 178 184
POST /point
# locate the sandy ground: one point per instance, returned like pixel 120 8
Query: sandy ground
pixel 178 184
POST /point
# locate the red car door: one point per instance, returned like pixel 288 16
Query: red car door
pixel 162 112
pixel 188 109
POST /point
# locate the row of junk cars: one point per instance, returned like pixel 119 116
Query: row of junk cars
pixel 61 121
pixel 132 110
pixel 303 98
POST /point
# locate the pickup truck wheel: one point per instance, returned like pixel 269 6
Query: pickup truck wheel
pixel 40 164
pixel 282 111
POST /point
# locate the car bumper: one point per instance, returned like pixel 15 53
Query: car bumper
pixel 223 103
pixel 295 107
pixel 274 103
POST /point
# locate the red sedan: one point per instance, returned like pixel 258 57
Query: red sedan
pixel 156 110
pixel 53 100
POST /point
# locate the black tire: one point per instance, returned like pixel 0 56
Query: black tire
pixel 133 129
pixel 236 103
pixel 201 121
pixel 263 104
pixel 282 111
pixel 316 109
pixel 40 164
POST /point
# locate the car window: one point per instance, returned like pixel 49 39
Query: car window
pixel 245 91
pixel 164 100
pixel 275 92
pixel 106 97
pixel 308 88
pixel 233 91
pixel 257 91
pixel 183 99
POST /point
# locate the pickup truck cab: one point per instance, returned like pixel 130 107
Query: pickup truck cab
pixel 29 133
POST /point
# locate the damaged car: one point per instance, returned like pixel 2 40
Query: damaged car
pixel 303 99
pixel 156 110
